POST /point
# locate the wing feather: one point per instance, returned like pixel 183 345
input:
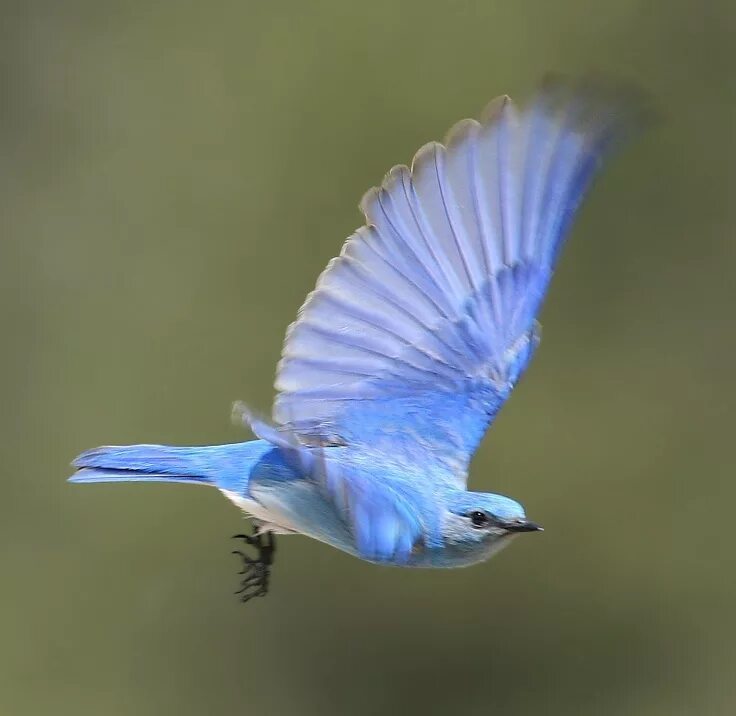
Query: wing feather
pixel 416 334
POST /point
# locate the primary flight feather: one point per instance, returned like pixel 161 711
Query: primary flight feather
pixel 411 342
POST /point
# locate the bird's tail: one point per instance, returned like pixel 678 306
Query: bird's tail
pixel 150 463
pixel 208 465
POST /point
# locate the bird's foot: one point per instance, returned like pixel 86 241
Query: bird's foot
pixel 256 571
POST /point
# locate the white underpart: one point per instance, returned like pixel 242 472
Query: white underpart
pixel 268 521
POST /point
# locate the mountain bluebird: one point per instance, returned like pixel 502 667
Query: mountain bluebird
pixel 411 342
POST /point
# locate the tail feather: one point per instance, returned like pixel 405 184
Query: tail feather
pixel 125 462
pixel 225 466
pixel 90 474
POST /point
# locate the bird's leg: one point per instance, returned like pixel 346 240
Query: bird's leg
pixel 256 571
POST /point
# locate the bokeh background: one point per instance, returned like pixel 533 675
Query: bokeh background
pixel 173 176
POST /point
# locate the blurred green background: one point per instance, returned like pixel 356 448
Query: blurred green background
pixel 174 176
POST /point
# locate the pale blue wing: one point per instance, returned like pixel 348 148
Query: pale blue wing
pixel 416 334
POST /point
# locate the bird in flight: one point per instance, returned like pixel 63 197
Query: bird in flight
pixel 408 347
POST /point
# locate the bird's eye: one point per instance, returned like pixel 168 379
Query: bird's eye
pixel 478 518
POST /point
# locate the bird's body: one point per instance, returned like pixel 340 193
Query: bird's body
pixel 411 343
pixel 262 480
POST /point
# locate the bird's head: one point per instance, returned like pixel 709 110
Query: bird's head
pixel 482 517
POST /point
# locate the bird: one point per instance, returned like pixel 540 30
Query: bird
pixel 412 341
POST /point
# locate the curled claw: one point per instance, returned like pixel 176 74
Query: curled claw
pixel 252 580
pixel 253 586
pixel 258 593
pixel 244 588
pixel 256 571
pixel 247 561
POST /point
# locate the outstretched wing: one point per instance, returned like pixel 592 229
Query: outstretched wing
pixel 416 334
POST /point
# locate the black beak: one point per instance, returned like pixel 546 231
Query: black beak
pixel 523 527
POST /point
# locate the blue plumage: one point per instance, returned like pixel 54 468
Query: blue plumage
pixel 411 343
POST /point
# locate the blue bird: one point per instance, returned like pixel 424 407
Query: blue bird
pixel 409 346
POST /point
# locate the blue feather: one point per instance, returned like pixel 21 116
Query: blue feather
pixel 411 343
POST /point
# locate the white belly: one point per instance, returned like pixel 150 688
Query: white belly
pixel 270 522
